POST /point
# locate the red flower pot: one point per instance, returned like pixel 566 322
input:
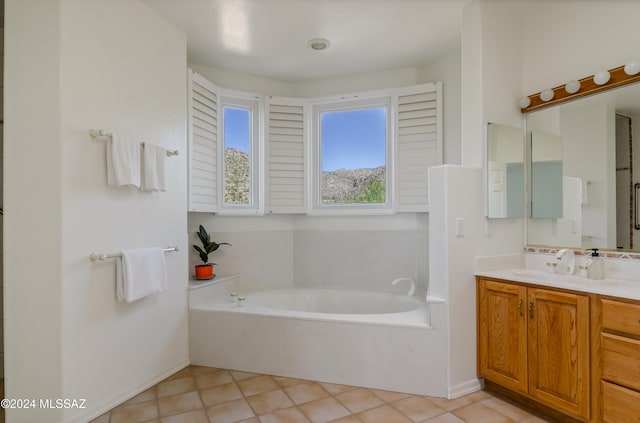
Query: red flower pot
pixel 204 271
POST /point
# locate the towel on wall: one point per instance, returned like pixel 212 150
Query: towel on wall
pixel 153 164
pixel 139 273
pixel 123 162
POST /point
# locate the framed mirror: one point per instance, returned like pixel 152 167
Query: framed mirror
pixel 504 171
pixel 600 166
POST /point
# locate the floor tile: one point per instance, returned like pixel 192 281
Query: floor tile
pixel 444 418
pixel 358 400
pixel 348 419
pixel 480 413
pixel 269 402
pixel 417 408
pixel 285 382
pixel 306 392
pixel 324 410
pixel 384 414
pixel 194 416
pixel 452 404
pixel 215 378
pixel 288 415
pixel 135 413
pixel 389 396
pixel 181 403
pixel 242 375
pixel 219 394
pixel 334 389
pixel 503 407
pixel 176 386
pixel 257 385
pixel 148 395
pixel 198 394
pixel 230 412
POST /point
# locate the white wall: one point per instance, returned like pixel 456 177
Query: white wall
pixel 74 66
pixel 560 41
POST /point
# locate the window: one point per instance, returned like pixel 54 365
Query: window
pixel 352 144
pixel 240 154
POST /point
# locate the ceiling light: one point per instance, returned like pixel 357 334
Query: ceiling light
pixel 319 44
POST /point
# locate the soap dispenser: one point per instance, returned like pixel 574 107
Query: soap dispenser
pixel 596 268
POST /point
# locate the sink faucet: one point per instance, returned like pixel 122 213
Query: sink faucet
pixel 412 286
pixel 569 263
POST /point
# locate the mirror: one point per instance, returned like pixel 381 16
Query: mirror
pixel 546 175
pixel 505 172
pixel 599 167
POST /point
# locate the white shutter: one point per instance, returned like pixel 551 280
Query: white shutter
pixel 285 156
pixel 203 144
pixel 418 133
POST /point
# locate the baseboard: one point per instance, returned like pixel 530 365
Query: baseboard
pixel 92 414
pixel 464 388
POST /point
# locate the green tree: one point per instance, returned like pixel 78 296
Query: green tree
pixel 374 192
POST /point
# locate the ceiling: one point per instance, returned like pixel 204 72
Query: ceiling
pixel 269 37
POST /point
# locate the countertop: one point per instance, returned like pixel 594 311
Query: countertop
pixel 621 288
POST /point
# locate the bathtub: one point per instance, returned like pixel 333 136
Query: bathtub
pixel 361 338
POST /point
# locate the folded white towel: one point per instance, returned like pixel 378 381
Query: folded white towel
pixel 139 273
pixel 123 162
pixel 153 163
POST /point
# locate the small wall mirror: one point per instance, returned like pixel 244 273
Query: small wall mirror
pixel 505 171
pixel 546 176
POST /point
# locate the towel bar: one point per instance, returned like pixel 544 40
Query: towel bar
pixel 101 257
pixel 98 133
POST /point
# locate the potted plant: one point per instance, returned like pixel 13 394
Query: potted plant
pixel 205 271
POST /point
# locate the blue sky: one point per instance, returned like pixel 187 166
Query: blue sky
pixel 353 139
pixel 236 128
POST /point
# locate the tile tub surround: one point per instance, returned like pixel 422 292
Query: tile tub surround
pixel 208 395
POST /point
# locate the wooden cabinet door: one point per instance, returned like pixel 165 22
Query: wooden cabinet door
pixel 502 334
pixel 559 350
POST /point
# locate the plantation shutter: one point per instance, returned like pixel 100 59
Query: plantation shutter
pixel 203 144
pixel 418 144
pixel 285 156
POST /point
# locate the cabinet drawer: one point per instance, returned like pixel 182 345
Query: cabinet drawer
pixel 620 404
pixel 622 317
pixel 621 360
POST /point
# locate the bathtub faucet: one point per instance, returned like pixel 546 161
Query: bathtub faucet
pixel 412 286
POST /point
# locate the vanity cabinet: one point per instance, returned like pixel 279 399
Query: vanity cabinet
pixel 535 342
pixel 620 344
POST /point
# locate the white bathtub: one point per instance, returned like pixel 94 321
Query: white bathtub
pixel 361 338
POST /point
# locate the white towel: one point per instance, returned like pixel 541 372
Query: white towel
pixel 153 163
pixel 123 162
pixel 139 273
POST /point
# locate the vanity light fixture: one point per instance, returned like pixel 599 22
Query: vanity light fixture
pixel 632 68
pixel 572 87
pixel 546 95
pixel 319 44
pixel 602 77
pixel 524 102
pixel 601 81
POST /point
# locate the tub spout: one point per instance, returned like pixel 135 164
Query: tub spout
pixel 412 286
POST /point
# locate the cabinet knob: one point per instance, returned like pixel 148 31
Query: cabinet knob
pixel 520 307
pixel 531 309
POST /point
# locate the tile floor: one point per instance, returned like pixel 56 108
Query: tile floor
pixel 208 395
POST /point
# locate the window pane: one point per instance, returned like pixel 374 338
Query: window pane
pixel 354 156
pixel 237 156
